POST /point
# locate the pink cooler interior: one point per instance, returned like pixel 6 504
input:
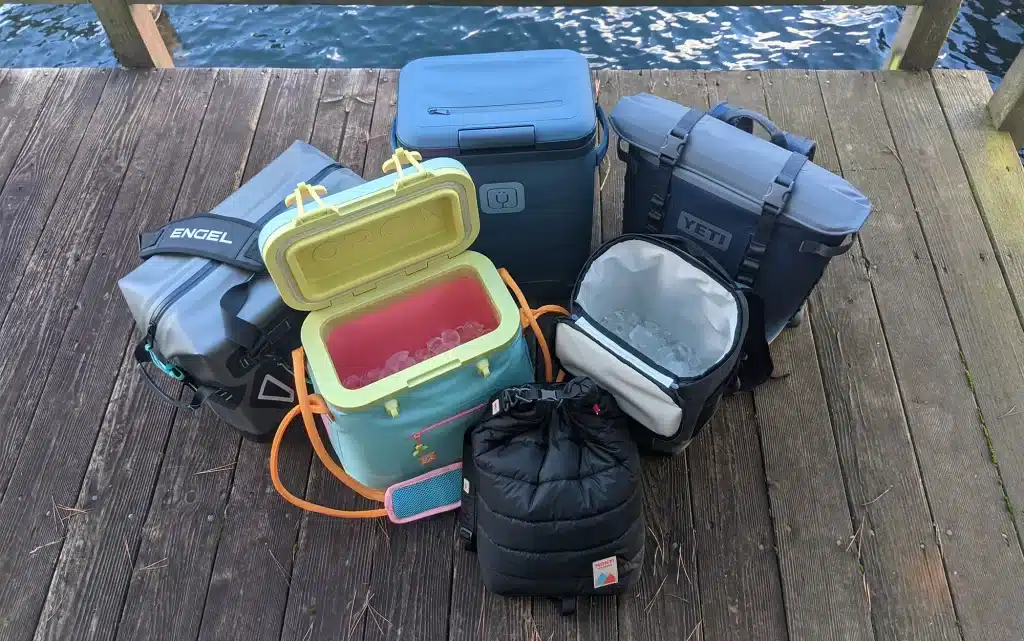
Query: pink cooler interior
pixel 363 346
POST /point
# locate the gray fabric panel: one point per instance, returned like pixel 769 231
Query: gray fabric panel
pixel 636 395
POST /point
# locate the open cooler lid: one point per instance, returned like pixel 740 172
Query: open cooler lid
pixel 739 165
pixel 347 243
pixel 449 105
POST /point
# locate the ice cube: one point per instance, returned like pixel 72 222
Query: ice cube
pixel 353 382
pixel 631 318
pixel 435 345
pixel 422 354
pixel 373 376
pixel 642 339
pixel 398 361
pixel 470 330
pixel 616 323
pixel 450 339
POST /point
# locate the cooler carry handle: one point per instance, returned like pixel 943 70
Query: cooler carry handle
pixel 231 241
pixel 744 119
pixel 602 148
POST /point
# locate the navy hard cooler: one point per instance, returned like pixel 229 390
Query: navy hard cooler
pixel 526 127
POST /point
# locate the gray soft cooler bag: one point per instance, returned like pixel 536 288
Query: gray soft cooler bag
pixel 209 314
pixel 771 217
pixel 525 126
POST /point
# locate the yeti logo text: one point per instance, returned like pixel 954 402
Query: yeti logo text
pixel 212 235
pixel 704 231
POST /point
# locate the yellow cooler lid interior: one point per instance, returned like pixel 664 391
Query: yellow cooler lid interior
pixel 347 243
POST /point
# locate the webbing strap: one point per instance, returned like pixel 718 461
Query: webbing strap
pixel 668 160
pixel 467 506
pixel 772 206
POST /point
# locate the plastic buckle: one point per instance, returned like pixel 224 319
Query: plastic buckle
pixel 776 197
pixel 669 156
pixel 166 368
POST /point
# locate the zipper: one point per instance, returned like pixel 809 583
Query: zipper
pixel 480 109
pixel 450 419
pixel 205 270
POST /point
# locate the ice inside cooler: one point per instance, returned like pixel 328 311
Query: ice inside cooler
pixel 410 328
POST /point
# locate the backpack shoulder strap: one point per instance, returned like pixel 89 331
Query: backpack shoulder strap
pixel 756 364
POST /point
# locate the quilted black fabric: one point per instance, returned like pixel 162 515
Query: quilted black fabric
pixel 555 487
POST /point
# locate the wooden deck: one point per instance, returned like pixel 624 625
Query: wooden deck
pixel 875 492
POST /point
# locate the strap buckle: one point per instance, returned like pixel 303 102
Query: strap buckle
pixel 777 196
pixel 167 368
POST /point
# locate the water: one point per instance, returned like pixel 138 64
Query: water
pixel 987 35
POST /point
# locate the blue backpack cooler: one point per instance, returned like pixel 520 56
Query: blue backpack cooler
pixel 761 208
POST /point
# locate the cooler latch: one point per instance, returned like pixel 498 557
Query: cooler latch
pixel 497 138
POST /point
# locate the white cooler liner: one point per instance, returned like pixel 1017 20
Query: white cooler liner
pixel 658 286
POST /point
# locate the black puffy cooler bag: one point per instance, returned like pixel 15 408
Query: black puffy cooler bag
pixel 551 496
pixel 659 324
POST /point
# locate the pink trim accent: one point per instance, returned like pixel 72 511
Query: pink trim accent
pixel 447 420
pixel 416 479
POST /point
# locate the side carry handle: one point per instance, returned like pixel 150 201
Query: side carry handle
pixel 744 119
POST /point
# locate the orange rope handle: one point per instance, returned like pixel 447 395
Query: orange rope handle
pixel 529 318
pixel 309 405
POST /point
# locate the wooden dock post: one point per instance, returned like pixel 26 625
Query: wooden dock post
pixel 1007 105
pixel 922 34
pixel 133 34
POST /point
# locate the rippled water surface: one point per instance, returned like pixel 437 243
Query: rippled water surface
pixel 987 35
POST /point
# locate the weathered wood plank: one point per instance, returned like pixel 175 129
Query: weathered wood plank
pixel 909 596
pixel 249 586
pixel 984 568
pixel 87 592
pixel 1006 107
pixel 738 570
pixel 333 557
pixel 186 514
pixel 962 486
pixel 922 35
pixel 993 168
pixel 616 84
pixel 75 390
pixel 666 602
pixel 133 34
pixel 805 487
pixel 29 194
pixel 22 92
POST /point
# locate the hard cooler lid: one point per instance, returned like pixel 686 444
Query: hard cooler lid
pixel 726 159
pixel 453 104
pixel 349 241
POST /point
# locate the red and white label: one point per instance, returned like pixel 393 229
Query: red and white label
pixel 606 572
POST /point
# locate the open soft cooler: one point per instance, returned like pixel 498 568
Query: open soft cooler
pixel 525 125
pixel 408 333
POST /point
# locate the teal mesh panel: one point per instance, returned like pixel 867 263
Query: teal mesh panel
pixel 435 492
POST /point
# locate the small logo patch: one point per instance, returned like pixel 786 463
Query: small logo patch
pixel 495 407
pixel 606 572
pixel 704 231
pixel 465 486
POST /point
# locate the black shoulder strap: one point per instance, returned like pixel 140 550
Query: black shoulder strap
pixel 220 238
pixel 668 159
pixel 467 506
pixel 772 206
pixel 756 364
pixel 240 331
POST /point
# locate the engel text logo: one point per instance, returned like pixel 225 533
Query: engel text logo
pixel 211 235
